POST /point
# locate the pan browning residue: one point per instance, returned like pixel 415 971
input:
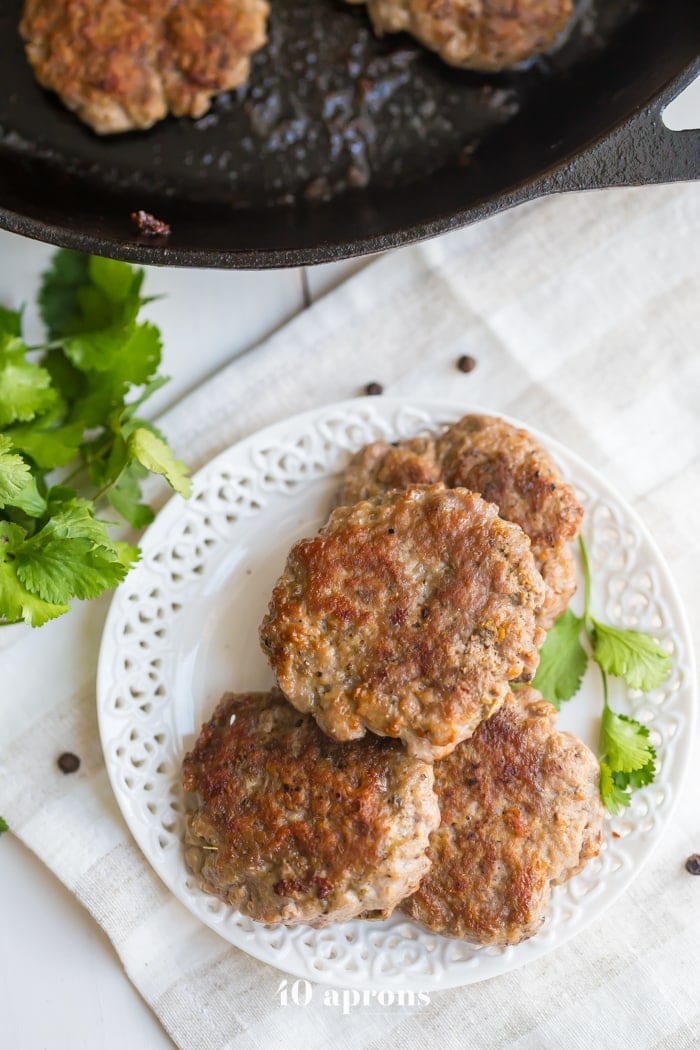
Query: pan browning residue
pixel 328 108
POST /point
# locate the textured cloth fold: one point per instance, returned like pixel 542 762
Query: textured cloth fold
pixel 582 314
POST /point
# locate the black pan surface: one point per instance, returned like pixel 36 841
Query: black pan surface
pixel 342 143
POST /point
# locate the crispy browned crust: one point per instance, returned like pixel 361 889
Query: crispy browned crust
pixel 295 827
pixel 511 469
pixel 558 570
pixel 406 615
pixel 124 64
pixel 521 812
pixel 475 34
pixel 381 467
pixel 506 466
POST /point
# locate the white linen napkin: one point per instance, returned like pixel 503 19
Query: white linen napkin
pixel 582 314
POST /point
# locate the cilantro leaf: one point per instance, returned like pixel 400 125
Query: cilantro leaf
pixel 118 281
pixel 10 321
pixel 125 497
pixel 11 537
pixel 616 787
pixel 29 500
pixel 4 826
pixel 25 388
pixel 52 568
pixel 72 555
pixel 563 660
pixel 90 306
pixel 81 294
pixel 636 657
pixel 17 603
pixel 47 445
pixel 150 388
pixel 126 553
pixel 106 366
pixel 130 352
pixel 107 458
pixel 57 298
pixel 614 795
pixel 624 742
pixel 14 472
pixel 18 486
pixel 138 357
pixel 74 406
pixel 59 569
pixel 69 383
pixel 155 455
pixel 71 517
pixel 627 757
pixel 638 778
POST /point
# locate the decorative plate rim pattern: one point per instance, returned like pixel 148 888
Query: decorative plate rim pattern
pixel 148 627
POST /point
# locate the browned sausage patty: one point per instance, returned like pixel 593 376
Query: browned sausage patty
pixel 406 615
pixel 124 64
pixel 475 34
pixel 294 827
pixel 511 469
pixel 381 467
pixel 508 467
pixel 521 812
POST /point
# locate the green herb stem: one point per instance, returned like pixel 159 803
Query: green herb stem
pixel 79 469
pixel 101 493
pixel 604 678
pixel 627 756
pixel 87 461
pixel 588 623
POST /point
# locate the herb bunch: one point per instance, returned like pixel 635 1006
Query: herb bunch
pixel 627 756
pixel 71 437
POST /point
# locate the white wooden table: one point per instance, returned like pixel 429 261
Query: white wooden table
pixel 61 983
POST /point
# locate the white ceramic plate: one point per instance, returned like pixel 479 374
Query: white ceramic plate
pixel 183 627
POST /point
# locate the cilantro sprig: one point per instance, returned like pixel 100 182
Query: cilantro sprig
pixel 71 437
pixel 627 756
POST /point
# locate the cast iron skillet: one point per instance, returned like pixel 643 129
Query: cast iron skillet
pixel 342 144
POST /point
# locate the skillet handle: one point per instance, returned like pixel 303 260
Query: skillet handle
pixel 641 151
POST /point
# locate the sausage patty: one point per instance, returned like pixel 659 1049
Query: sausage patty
pixel 475 34
pixel 506 466
pixel 521 812
pixel 381 467
pixel 294 827
pixel 406 615
pixel 124 64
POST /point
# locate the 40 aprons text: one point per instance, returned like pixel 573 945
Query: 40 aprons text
pixel 302 993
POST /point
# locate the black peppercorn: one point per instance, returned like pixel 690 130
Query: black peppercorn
pixel 466 363
pixel 692 865
pixel 373 389
pixel 68 762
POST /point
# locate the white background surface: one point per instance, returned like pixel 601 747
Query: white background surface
pixel 61 984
